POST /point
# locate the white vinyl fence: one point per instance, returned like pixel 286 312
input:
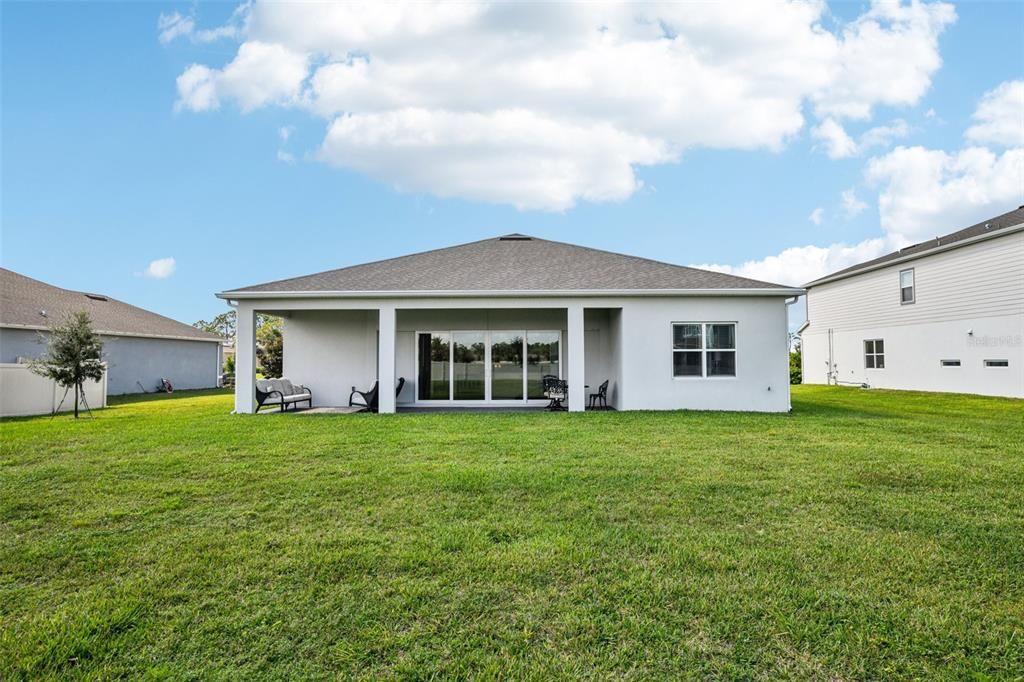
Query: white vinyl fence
pixel 23 393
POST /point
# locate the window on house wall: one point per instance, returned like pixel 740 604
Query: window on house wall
pixel 997 363
pixel 949 363
pixel 704 349
pixel 874 354
pixel 907 286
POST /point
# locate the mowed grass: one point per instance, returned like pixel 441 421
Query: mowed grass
pixel 869 534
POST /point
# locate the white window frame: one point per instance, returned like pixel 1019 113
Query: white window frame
pixel 874 353
pixel 488 400
pixel 950 362
pixel 704 350
pixel 1003 363
pixel 913 287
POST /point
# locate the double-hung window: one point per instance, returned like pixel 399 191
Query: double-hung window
pixel 704 349
pixel 874 354
pixel 906 286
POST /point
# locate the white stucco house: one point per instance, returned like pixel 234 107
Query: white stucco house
pixel 943 315
pixel 479 324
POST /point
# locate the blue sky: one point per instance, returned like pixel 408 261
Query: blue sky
pixel 116 153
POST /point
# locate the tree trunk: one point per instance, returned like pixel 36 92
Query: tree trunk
pixel 78 387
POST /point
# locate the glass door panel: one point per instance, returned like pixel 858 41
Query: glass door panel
pixel 468 367
pixel 506 366
pixel 434 367
pixel 541 359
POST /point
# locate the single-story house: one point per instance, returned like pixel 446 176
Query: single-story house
pixel 481 324
pixel 946 314
pixel 139 347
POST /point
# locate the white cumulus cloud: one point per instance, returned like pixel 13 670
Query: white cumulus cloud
pixel 161 268
pixel 563 102
pixel 1000 117
pixel 801 264
pixel 817 215
pixel 929 192
pixel 852 205
pixel 839 144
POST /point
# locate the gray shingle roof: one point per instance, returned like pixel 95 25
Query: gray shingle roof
pixel 22 298
pixel 511 263
pixel 1010 219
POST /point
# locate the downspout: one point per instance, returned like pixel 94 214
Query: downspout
pixel 789 390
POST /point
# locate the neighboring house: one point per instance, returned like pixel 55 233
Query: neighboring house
pixel 139 347
pixel 943 315
pixel 480 324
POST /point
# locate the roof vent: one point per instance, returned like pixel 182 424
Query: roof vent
pixel 515 238
pixel 96 297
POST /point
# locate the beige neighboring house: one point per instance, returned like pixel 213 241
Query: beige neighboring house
pixel 139 346
pixel 943 315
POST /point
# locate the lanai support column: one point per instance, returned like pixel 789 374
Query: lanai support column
pixel 245 358
pixel 386 360
pixel 577 393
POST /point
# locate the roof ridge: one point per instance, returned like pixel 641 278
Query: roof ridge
pixel 644 259
pixel 923 248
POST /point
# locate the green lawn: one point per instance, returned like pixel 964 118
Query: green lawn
pixel 870 534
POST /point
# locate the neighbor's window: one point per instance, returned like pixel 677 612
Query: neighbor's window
pixel 997 363
pixel 949 363
pixel 907 286
pixel 874 354
pixel 704 349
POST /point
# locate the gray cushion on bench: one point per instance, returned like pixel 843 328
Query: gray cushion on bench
pixel 289 391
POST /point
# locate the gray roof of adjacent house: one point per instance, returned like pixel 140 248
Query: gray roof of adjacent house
pixel 510 264
pixel 30 304
pixel 998 226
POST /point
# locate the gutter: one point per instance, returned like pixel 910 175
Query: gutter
pixel 914 256
pixel 101 332
pixel 513 293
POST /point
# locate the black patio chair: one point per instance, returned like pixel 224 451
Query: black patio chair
pixel 600 399
pixel 555 390
pixel 370 398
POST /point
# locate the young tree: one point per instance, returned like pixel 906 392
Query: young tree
pixel 73 355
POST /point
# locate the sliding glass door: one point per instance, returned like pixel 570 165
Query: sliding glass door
pixel 489 366
pixel 542 359
pixel 506 366
pixel 468 365
pixel 434 367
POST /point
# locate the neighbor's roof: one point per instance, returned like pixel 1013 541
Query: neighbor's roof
pixel 23 301
pixel 998 226
pixel 510 265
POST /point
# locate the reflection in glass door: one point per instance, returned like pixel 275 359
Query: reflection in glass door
pixel 468 368
pixel 541 360
pixel 434 367
pixel 506 366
